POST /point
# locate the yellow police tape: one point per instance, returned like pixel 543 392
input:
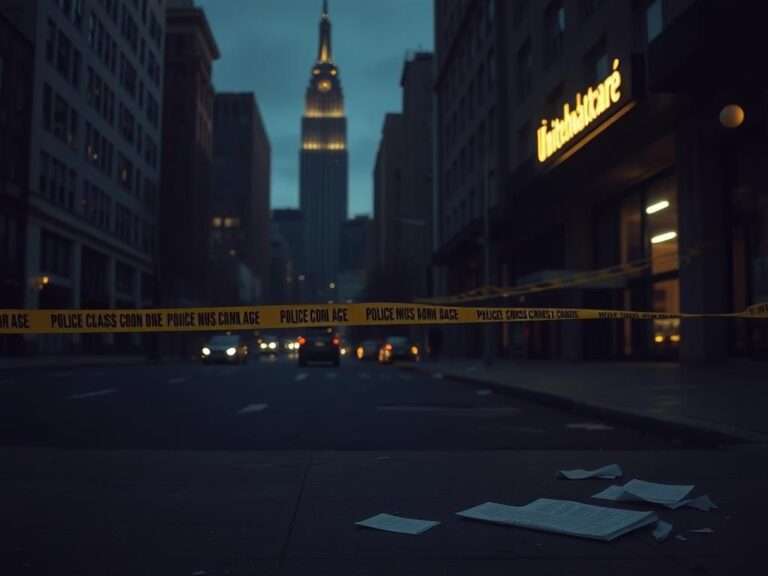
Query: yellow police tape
pixel 321 315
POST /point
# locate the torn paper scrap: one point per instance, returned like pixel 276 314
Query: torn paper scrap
pixel 606 472
pixel 662 531
pixel 397 524
pixel 670 495
pixel 706 530
pixel 563 517
pixel 681 537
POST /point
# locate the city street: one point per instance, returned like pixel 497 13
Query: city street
pixel 264 468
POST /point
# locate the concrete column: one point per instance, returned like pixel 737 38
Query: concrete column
pixel 703 210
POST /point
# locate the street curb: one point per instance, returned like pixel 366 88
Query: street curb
pixel 664 427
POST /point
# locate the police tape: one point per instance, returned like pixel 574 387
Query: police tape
pixel 322 315
pixel 561 282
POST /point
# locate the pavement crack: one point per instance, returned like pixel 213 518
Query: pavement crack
pixel 284 551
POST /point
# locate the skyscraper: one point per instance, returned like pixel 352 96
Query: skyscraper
pixel 324 171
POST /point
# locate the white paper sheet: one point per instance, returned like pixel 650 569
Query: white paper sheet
pixel 670 495
pixel 563 517
pixel 662 531
pixel 706 530
pixel 608 472
pixel 397 524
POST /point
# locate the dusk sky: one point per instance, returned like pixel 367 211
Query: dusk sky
pixel 269 47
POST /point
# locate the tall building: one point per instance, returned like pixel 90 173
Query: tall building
pixel 288 262
pixel 633 139
pixel 416 205
pixel 387 248
pixel 240 227
pixel 185 203
pixel 324 169
pixel 16 66
pixel 352 278
pixel 93 158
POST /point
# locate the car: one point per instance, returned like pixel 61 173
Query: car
pixel 290 345
pixel 224 348
pixel 368 350
pixel 319 345
pixel 268 345
pixel 398 348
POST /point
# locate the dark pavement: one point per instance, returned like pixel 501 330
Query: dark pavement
pixel 263 469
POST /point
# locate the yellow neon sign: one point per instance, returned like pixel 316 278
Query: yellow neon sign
pixel 591 105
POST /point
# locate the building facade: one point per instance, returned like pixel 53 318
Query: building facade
pixel 633 137
pixel 240 227
pixel 17 68
pixel 185 214
pixel 288 245
pixel 93 159
pixel 324 172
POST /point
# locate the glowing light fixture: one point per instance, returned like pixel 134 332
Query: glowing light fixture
pixel 231 351
pixel 658 338
pixel 657 207
pixel 675 338
pixel 415 350
pixel 206 351
pixel 732 116
pixel 665 237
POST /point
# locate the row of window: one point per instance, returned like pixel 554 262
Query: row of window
pixel 62 55
pixel 73 10
pixel 59 118
pixel 100 96
pixel 58 182
pixel 9 231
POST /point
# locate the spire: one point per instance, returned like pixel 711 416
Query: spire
pixel 324 54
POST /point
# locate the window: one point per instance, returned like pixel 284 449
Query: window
pixel 60 117
pixel 524 71
pixel 54 253
pixel 653 20
pixel 74 122
pixel 63 55
pixel 127 124
pixel 76 63
pixel 554 30
pixel 596 63
pixel 47 107
pixel 50 41
pixel 44 178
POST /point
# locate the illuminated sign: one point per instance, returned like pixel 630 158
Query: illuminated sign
pixel 554 134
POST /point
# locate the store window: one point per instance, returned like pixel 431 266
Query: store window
pixel 654 22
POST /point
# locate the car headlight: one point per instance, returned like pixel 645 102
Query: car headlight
pixel 415 350
pixel 263 345
pixel 231 351
pixel 272 345
pixel 206 351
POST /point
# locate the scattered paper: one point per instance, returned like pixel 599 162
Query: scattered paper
pixel 681 537
pixel 706 530
pixel 589 426
pixel 606 472
pixel 397 524
pixel 662 531
pixel 670 495
pixel 563 517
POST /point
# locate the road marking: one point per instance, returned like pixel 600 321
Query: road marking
pixel 251 408
pixel 331 375
pixel 589 426
pixel 177 380
pixel 104 392
pixel 301 376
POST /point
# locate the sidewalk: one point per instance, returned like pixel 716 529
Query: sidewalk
pixel 722 403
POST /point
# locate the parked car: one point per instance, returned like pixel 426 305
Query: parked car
pixel 319 345
pixel 224 348
pixel 398 348
pixel 268 345
pixel 368 350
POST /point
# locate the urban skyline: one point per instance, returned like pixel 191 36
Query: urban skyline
pixel 371 41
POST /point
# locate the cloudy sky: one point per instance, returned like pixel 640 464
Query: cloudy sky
pixel 269 46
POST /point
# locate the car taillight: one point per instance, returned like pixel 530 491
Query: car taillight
pixel 336 341
pixel 388 347
pixel 302 340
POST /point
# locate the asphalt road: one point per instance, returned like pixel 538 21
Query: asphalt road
pixel 272 404
pixel 183 469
